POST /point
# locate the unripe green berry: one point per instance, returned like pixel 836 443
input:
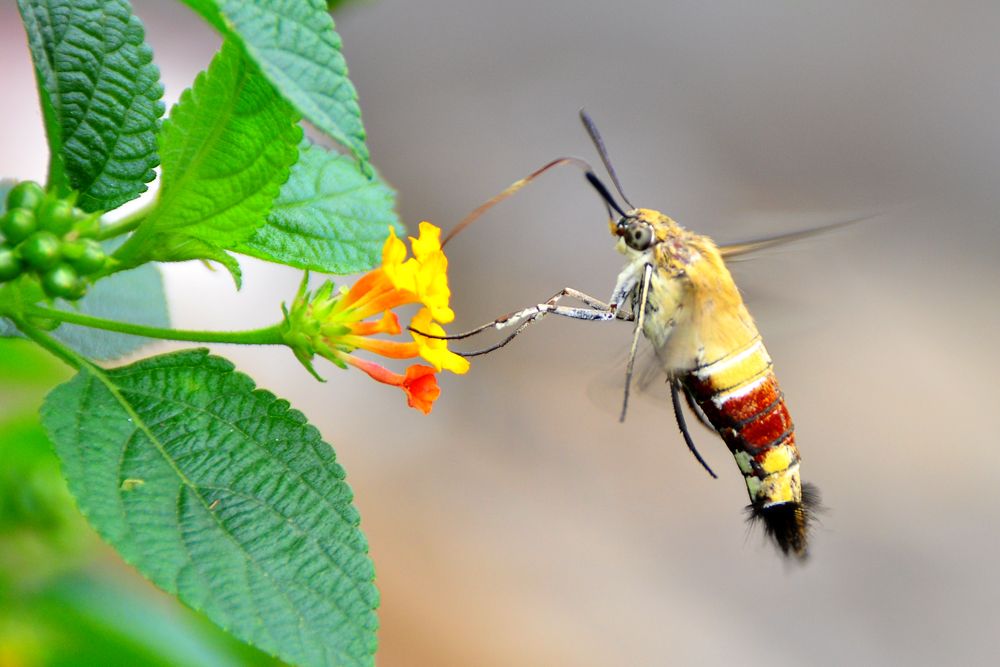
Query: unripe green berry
pixel 26 195
pixel 86 255
pixel 17 225
pixel 56 216
pixel 62 280
pixel 72 250
pixel 92 259
pixel 41 250
pixel 10 265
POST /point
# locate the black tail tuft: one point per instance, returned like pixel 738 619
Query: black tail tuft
pixel 788 524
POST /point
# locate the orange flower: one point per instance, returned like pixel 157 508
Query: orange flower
pixel 336 324
pixel 419 383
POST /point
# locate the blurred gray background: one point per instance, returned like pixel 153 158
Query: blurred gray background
pixel 521 523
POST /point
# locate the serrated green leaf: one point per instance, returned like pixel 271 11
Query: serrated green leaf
pixel 209 10
pixel 227 147
pixel 221 494
pixel 297 48
pixel 328 217
pixel 100 94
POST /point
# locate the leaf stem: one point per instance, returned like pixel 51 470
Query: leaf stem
pixel 126 224
pixel 271 335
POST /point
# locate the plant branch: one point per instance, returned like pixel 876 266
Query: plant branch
pixel 51 345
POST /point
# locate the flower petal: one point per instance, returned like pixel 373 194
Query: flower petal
pixel 389 324
pixel 400 271
pixel 391 349
pixel 432 287
pixel 429 242
pixel 419 383
pixel 393 250
pixel 421 388
pixel 435 350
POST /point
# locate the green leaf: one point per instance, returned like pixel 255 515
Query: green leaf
pixel 209 10
pixel 223 495
pixel 328 217
pixel 55 586
pixel 227 148
pixel 100 94
pixel 297 48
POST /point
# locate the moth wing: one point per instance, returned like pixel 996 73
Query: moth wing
pixel 605 391
pixel 743 248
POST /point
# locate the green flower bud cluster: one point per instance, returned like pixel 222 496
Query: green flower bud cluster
pixel 49 238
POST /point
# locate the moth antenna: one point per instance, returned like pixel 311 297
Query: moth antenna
pixel 511 189
pixel 609 201
pixel 595 136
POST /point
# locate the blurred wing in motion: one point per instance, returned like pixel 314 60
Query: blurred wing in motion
pixel 604 388
pixel 742 248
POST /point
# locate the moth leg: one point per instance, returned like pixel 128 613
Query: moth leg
pixel 528 316
pixel 682 425
pixel 639 320
pixel 509 337
pixel 594 303
pixel 598 310
pixel 697 411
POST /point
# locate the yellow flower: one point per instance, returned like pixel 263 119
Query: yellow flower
pixel 425 274
pixel 435 350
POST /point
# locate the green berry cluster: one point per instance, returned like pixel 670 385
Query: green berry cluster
pixel 49 238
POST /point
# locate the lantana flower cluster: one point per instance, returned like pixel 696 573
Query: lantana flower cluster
pixel 337 323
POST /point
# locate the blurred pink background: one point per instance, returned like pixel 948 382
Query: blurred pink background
pixel 521 523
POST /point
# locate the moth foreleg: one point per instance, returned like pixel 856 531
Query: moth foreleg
pixel 597 310
pixel 594 310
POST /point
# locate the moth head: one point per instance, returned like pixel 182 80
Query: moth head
pixel 637 233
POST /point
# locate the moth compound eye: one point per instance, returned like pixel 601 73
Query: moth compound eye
pixel 638 236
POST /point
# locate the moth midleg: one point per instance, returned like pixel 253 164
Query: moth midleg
pixel 639 319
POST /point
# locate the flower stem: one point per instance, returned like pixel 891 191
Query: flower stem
pixel 271 335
